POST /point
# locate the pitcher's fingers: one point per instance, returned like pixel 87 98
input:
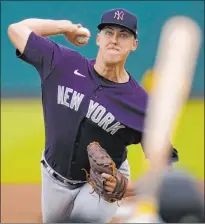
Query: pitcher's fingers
pixel 108 177
pixel 109 189
pixel 110 184
pixel 112 179
pixel 79 25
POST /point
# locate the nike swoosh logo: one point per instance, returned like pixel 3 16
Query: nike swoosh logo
pixel 79 74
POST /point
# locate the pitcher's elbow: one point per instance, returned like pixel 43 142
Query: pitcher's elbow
pixel 11 29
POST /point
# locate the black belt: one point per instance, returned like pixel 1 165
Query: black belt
pixel 63 180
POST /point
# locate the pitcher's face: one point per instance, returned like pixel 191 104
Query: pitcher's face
pixel 115 44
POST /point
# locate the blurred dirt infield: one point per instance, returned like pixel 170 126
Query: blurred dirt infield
pixel 21 203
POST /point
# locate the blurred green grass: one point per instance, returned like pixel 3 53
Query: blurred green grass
pixel 22 141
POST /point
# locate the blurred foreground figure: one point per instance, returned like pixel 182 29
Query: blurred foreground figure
pixel 180 199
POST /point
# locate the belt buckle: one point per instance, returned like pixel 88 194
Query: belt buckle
pixel 67 182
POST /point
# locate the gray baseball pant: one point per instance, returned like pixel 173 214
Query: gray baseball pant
pixel 61 204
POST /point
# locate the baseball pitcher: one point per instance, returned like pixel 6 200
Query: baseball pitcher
pixel 93 109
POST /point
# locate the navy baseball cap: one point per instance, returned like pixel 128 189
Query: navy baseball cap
pixel 120 17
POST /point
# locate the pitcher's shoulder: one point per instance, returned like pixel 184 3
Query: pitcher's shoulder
pixel 138 89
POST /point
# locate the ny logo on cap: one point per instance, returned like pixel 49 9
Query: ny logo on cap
pixel 119 15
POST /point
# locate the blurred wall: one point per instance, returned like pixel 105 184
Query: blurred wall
pixel 20 79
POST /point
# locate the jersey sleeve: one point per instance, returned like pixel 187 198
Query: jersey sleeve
pixel 174 155
pixel 43 54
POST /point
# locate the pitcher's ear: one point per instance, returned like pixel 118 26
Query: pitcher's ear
pixel 134 45
pixel 98 39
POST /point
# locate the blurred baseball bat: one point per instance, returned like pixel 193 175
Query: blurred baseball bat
pixel 174 69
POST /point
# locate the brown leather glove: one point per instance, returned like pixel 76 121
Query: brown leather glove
pixel 101 162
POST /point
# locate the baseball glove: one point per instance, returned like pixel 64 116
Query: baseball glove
pixel 101 162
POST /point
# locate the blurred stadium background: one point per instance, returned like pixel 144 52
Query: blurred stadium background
pixel 22 131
